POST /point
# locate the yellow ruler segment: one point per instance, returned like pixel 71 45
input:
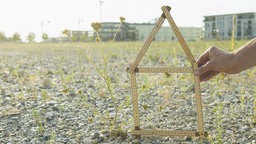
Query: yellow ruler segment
pixel 163 70
pixel 164 133
pixel 178 35
pixel 199 109
pixel 147 43
pixel 135 104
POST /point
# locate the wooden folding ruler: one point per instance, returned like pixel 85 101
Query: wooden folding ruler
pixel 133 69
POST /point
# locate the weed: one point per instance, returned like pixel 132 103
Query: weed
pixel 13 101
pixel 242 101
pixel 21 96
pixel 115 126
pixel 38 119
pixel 66 78
pixel 90 119
pixel 122 19
pixel 45 95
pixel 254 107
pixel 14 73
pixel 53 137
pixel 84 101
pixel 218 110
pixel 96 27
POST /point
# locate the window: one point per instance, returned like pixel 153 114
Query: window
pixel 251 16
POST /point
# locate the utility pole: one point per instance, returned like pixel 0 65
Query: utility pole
pixel 80 21
pixel 43 22
pixel 101 2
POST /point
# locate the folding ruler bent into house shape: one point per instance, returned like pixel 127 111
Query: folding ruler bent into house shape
pixel 133 69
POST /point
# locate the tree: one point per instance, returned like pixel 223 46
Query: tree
pixel 16 37
pixel 2 36
pixel 31 37
pixel 45 36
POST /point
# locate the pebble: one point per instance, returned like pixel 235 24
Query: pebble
pixel 67 117
pixel 49 116
pixel 95 135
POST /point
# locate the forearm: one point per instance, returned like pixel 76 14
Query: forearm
pixel 245 57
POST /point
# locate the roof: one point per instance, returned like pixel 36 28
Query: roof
pixel 231 14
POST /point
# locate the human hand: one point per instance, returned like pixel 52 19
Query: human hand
pixel 214 61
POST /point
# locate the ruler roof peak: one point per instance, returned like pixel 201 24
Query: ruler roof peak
pixel 159 23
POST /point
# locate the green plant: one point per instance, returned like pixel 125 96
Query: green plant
pixel 21 96
pixel 45 95
pixel 254 107
pixel 38 119
pixel 83 100
pixel 13 100
pixel 218 110
pixel 53 137
pixel 242 101
pixel 145 86
pixel 101 69
pixel 122 19
pixel 14 72
pixel 96 27
pixel 66 79
pixel 210 139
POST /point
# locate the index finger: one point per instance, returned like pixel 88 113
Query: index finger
pixel 204 58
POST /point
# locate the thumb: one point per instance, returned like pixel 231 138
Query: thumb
pixel 204 68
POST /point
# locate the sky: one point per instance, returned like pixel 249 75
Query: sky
pixel 53 16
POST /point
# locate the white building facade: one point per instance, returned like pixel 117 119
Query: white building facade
pixel 221 26
pixel 166 33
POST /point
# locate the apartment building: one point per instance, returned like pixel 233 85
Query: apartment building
pixel 141 31
pixel 221 26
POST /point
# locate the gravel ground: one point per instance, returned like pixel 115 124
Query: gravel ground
pixel 57 96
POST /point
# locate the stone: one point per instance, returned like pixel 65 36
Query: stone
pixel 95 135
pixel 49 116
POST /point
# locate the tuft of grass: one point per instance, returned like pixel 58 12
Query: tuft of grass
pixel 44 95
pixel 242 100
pixel 254 107
pixel 38 119
pixel 218 110
pixel 21 96
pixel 53 137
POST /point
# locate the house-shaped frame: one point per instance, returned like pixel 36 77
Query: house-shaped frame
pixel 133 69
